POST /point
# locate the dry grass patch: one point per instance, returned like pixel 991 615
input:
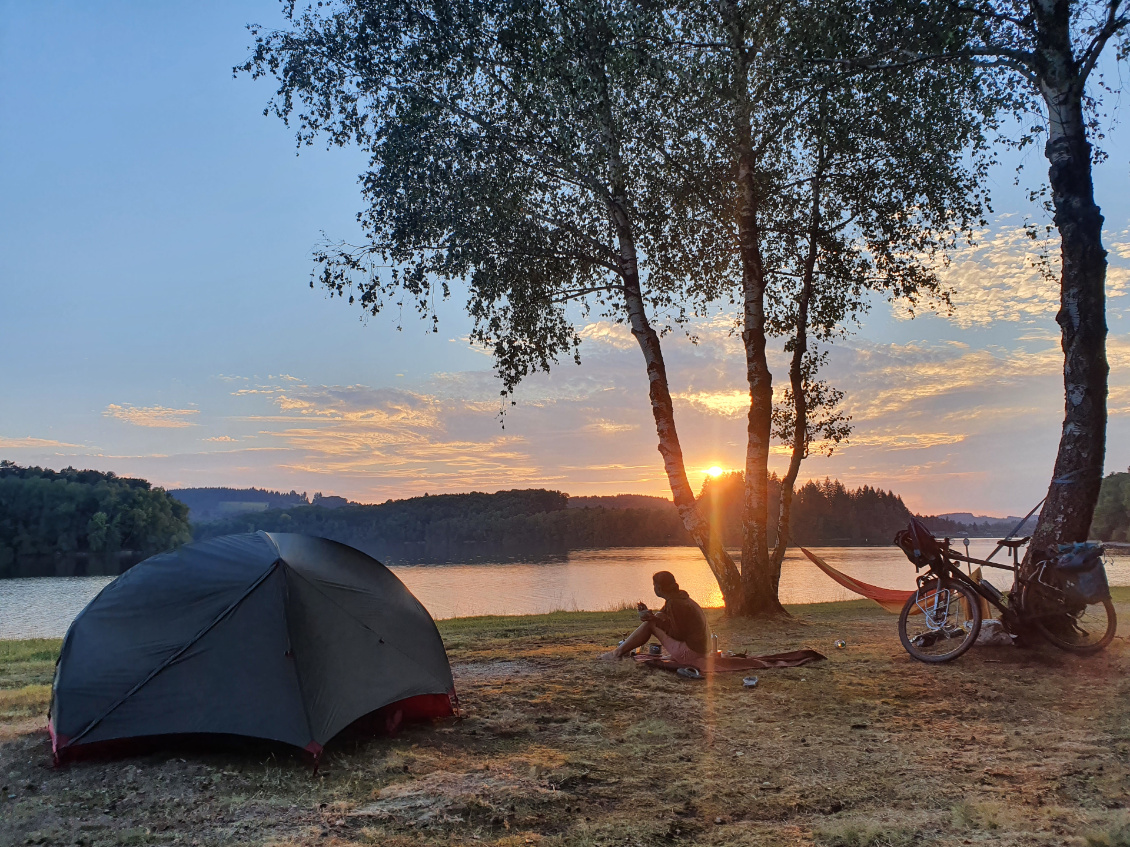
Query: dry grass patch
pixel 1004 746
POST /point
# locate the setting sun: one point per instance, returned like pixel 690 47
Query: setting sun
pixel 715 471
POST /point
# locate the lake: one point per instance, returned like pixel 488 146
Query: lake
pixel 589 580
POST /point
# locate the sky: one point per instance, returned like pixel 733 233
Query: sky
pixel 156 318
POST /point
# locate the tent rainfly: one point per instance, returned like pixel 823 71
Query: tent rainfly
pixel 268 635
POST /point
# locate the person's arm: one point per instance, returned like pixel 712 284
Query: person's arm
pixel 663 620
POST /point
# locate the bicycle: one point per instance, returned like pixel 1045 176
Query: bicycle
pixel 1066 599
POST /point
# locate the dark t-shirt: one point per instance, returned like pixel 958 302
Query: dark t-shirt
pixel 683 619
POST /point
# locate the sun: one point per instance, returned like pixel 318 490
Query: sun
pixel 715 471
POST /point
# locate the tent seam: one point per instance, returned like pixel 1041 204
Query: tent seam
pixel 290 646
pixel 259 581
pixel 360 623
pixel 275 544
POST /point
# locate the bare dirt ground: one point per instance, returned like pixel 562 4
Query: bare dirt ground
pixel 1003 747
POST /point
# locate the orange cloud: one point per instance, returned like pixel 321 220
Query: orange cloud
pixel 30 443
pixel 158 417
pixel 1004 278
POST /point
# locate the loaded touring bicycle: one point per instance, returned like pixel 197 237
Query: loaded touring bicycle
pixel 1065 598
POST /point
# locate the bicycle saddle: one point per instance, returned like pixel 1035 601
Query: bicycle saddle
pixel 1013 543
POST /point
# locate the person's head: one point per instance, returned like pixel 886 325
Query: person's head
pixel 665 584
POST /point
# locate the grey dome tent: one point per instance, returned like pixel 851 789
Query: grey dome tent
pixel 268 635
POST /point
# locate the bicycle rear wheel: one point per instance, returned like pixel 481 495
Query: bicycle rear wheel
pixel 939 623
pixel 1076 628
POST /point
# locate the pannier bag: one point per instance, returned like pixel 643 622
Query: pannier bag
pixel 1084 576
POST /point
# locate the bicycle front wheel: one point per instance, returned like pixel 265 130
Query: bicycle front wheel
pixel 1076 628
pixel 939 623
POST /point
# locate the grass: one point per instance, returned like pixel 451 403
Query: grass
pixel 868 749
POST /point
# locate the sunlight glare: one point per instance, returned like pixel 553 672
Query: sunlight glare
pixel 715 471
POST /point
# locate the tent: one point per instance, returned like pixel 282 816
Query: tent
pixel 268 635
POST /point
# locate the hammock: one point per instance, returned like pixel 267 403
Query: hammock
pixel 890 599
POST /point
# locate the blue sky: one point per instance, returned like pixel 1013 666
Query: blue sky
pixel 155 241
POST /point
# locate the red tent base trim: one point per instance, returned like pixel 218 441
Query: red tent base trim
pixel 384 721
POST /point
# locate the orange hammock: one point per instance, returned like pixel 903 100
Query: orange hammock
pixel 890 599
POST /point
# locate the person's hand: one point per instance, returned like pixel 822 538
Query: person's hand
pixel 641 606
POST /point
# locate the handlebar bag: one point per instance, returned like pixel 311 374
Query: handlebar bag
pixel 919 544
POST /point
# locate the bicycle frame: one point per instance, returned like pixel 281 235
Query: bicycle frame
pixel 949 570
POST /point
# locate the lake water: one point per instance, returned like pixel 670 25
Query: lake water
pixel 589 580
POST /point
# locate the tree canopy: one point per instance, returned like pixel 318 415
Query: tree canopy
pixel 1112 513
pixel 646 164
pixel 58 523
pixel 1043 57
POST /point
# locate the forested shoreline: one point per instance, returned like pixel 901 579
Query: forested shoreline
pixel 76 522
pixel 535 522
pixel 81 522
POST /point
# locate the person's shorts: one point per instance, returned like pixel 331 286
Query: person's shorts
pixel 678 650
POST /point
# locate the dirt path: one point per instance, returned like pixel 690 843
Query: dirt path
pixel 1002 747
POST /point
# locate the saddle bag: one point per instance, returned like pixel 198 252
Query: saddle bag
pixel 1083 575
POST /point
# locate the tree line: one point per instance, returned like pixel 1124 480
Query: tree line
pixel 68 522
pixel 1112 514
pixel 465 527
pixel 532 522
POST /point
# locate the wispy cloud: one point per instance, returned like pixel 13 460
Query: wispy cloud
pixel 896 379
pixel 156 417
pixel 34 444
pixel 607 427
pixel 609 333
pixel 723 402
pixel 1005 278
pixel 222 439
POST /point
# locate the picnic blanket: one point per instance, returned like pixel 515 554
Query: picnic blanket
pixel 732 664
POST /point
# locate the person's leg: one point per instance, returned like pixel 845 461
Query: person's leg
pixel 638 638
pixel 678 650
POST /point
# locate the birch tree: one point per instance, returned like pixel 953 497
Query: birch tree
pixel 1045 54
pixel 510 147
pixel 603 158
pixel 844 183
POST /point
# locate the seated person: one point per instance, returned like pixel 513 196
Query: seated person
pixel 680 625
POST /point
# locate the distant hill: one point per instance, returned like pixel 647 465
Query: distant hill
pixel 533 522
pixel 465 527
pixel 621 501
pixel 209 504
pixel 979 526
